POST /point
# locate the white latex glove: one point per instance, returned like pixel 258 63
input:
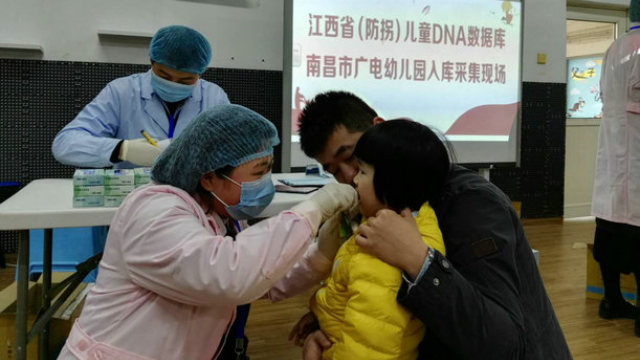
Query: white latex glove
pixel 162 144
pixel 139 152
pixel 329 236
pixel 324 203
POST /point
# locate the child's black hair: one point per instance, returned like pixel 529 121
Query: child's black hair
pixel 410 163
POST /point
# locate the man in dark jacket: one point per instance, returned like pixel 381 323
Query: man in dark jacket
pixel 485 300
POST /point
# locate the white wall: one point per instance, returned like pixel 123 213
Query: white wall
pixel 580 166
pixel 67 30
pixel 247 37
pixel 545 31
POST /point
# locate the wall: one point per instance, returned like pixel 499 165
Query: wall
pixel 246 37
pixel 582 145
pixel 544 32
pixel 242 36
pixel 582 134
pixel 538 181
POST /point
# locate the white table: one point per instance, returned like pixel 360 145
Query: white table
pixel 47 204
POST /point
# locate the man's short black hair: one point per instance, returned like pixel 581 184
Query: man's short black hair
pixel 325 112
pixel 410 163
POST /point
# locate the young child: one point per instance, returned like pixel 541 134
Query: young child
pixel 356 307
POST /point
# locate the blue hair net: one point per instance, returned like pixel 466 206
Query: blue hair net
pixel 225 135
pixel 180 48
pixel 634 11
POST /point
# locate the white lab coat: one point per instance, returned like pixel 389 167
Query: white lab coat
pixel 123 108
pixel 616 190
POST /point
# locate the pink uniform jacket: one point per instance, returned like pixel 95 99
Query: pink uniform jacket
pixel 170 280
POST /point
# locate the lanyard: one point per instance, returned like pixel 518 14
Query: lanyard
pixel 237 224
pixel 173 118
pixel 242 314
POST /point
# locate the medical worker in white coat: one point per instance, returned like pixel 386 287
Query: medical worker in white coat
pixel 162 101
pixel 180 258
pixel 616 190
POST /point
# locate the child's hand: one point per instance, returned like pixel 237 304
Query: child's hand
pixel 314 345
pixel 305 326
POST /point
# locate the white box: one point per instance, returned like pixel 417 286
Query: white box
pixel 88 177
pixel 119 177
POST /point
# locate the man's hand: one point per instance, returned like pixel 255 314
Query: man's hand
pixel 395 239
pixel 139 152
pixel 305 326
pixel 314 345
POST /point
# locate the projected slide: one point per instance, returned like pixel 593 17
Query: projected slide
pixel 454 65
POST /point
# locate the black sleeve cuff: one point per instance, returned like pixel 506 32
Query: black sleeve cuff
pixel 116 153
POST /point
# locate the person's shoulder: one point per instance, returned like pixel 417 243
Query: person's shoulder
pixel 461 179
pixel 464 185
pixel 210 86
pixel 124 85
pixel 129 79
pixel 154 200
pixel 213 91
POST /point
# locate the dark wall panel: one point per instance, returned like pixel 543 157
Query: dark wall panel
pixel 539 182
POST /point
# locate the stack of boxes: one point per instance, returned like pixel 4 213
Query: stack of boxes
pixel 118 183
pixel 98 187
pixel 88 188
pixel 141 176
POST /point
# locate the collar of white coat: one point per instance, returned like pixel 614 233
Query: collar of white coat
pixel 146 90
pixel 634 24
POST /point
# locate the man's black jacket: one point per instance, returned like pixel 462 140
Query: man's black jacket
pixel 485 300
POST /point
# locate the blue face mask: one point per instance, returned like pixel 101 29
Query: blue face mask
pixel 170 91
pixel 255 196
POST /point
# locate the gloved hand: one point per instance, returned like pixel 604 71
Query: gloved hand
pixel 330 236
pixel 327 201
pixel 139 152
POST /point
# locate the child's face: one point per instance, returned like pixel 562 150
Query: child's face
pixel 369 203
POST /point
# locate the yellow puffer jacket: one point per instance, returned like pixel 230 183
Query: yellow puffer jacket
pixel 357 307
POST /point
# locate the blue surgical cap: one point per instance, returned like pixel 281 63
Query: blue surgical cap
pixel 225 135
pixel 180 48
pixel 634 11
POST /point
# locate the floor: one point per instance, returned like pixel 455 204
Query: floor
pixel 562 265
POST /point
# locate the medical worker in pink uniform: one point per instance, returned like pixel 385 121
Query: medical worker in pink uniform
pixel 180 257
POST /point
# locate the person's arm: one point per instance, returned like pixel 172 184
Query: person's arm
pixel 306 273
pixel 171 252
pixel 470 303
pixel 315 265
pixel 88 141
